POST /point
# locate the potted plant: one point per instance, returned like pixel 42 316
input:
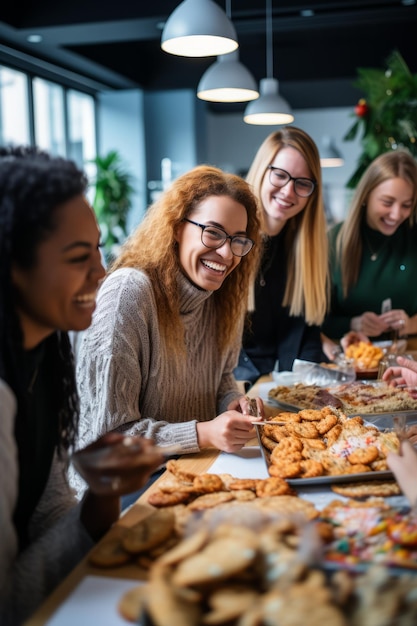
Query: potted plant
pixel 112 200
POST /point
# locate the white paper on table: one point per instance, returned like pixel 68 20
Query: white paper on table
pixel 93 601
pixel 247 463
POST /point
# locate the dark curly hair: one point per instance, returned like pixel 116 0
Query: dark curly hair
pixel 33 184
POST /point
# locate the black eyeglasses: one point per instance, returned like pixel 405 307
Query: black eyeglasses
pixel 213 237
pixel 303 187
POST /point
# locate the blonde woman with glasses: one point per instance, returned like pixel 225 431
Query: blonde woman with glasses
pixel 290 287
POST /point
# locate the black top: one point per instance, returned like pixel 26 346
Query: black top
pixel 36 432
pixel 274 334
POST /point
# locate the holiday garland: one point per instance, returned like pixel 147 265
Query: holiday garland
pixel 387 115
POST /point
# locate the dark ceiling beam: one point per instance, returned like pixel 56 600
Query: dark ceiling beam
pixel 145 29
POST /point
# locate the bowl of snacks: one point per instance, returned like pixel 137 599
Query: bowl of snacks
pixel 365 357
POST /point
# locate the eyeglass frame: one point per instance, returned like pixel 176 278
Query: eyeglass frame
pixel 272 168
pixel 226 237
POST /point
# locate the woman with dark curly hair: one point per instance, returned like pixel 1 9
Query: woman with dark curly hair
pixel 50 268
pixel 158 359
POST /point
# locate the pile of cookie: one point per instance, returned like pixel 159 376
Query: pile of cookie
pixel 203 491
pixel 323 442
pixel 181 497
pixel 254 574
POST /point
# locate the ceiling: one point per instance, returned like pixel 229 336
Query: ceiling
pixel 318 44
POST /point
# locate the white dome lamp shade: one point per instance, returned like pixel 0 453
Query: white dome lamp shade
pixel 227 80
pixel 329 154
pixel 270 108
pixel 198 28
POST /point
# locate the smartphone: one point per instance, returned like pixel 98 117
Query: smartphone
pixel 386 305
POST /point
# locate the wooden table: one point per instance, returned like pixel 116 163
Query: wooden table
pixel 196 463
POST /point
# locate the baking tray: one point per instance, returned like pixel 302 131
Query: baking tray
pixel 326 480
pixel 286 406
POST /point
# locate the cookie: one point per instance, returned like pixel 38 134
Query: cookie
pixel 377 488
pixel 209 500
pixel 287 505
pixel 229 602
pixel 109 552
pixel 175 468
pixel 167 604
pixel 161 498
pixel 188 546
pixel 208 483
pixel 220 559
pixel 273 486
pixel 243 483
pixel 363 455
pixel 131 603
pixel 149 532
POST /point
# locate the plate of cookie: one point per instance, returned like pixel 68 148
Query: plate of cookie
pixel 324 446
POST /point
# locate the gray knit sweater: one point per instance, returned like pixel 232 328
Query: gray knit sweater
pixel 129 382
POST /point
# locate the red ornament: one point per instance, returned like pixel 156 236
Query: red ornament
pixel 361 109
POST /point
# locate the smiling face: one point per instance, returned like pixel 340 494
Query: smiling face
pixel 205 267
pixel 389 205
pixel 59 291
pixel 282 204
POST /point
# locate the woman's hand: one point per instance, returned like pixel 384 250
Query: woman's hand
pixel 329 347
pixel 112 466
pixel 404 468
pixel 353 337
pixel 397 319
pixel 370 324
pixel 245 405
pixel 117 464
pixel 228 432
pixel 405 374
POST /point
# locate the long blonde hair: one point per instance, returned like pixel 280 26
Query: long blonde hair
pixel 152 248
pixel 349 245
pixel 306 291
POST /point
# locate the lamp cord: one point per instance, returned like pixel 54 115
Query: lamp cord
pixel 228 9
pixel 269 52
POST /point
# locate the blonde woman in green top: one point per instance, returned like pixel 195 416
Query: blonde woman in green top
pixel 373 259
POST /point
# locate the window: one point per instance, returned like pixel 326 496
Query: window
pixel 81 130
pixel 61 121
pixel 49 118
pixel 14 107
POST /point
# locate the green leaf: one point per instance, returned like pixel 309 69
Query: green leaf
pixel 112 199
pixel 391 95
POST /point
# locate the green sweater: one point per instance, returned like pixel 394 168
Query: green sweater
pixel 392 275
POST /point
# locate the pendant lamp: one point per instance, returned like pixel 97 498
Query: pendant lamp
pixel 198 28
pixel 270 108
pixel 329 154
pixel 227 80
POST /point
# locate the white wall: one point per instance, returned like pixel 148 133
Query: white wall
pixel 232 145
pixel 121 127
